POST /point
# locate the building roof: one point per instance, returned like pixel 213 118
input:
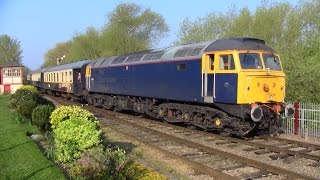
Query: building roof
pixel 12 64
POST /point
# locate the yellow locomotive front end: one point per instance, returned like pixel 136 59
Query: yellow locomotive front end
pixel 262 87
pixel 262 78
pixel 248 83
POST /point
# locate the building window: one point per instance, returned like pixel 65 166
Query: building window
pixel 12 72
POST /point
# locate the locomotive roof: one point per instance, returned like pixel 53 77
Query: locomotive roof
pixel 72 65
pixel 238 44
pixel 185 51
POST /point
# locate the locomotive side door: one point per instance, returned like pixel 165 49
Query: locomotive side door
pixel 226 78
pixel 88 77
pixel 208 77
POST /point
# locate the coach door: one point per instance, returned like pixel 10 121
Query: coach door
pixel 208 78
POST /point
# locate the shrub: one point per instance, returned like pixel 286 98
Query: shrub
pixel 66 112
pixel 139 171
pixel 117 162
pixel 121 166
pixel 25 108
pixel 91 165
pixel 40 117
pixel 29 88
pixel 22 95
pixel 18 118
pixel 74 136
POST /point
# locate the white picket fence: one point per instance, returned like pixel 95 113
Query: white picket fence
pixel 309 120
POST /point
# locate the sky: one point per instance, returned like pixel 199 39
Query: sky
pixel 39 24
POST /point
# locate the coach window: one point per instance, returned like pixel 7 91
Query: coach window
pixel 70 76
pixel 226 62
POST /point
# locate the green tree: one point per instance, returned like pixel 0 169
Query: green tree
pixel 10 49
pixel 85 46
pixel 55 54
pixel 129 28
pixel 132 28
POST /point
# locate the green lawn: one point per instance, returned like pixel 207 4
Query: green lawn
pixel 20 158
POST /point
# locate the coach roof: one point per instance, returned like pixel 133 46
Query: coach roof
pixel 72 65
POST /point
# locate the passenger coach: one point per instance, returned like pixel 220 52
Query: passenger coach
pixel 65 80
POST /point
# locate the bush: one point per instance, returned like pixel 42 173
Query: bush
pixel 29 88
pixel 74 136
pixel 22 95
pixel 91 165
pixel 66 112
pixel 18 118
pixel 23 101
pixel 40 117
pixel 118 162
pixel 140 172
pixel 25 108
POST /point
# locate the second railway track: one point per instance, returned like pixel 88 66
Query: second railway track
pixel 214 155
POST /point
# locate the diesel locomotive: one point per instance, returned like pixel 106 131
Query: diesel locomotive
pixel 233 85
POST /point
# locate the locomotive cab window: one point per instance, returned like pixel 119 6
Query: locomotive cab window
pixel 272 62
pixel 250 61
pixel 226 62
pixel 181 67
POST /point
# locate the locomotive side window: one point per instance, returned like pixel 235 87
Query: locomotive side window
pixel 181 67
pixel 226 62
pixel 211 62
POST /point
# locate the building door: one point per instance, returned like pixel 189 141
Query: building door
pixel 7 88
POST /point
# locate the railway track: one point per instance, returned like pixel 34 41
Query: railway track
pixel 210 154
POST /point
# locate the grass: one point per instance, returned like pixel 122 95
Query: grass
pixel 20 157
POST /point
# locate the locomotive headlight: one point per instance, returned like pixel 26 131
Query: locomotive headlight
pixel 256 113
pixel 289 111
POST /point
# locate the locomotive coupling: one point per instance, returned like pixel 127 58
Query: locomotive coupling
pixel 289 111
pixel 256 113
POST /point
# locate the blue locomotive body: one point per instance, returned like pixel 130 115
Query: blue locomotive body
pixel 172 80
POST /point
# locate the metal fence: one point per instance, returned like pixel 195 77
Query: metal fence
pixel 308 121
